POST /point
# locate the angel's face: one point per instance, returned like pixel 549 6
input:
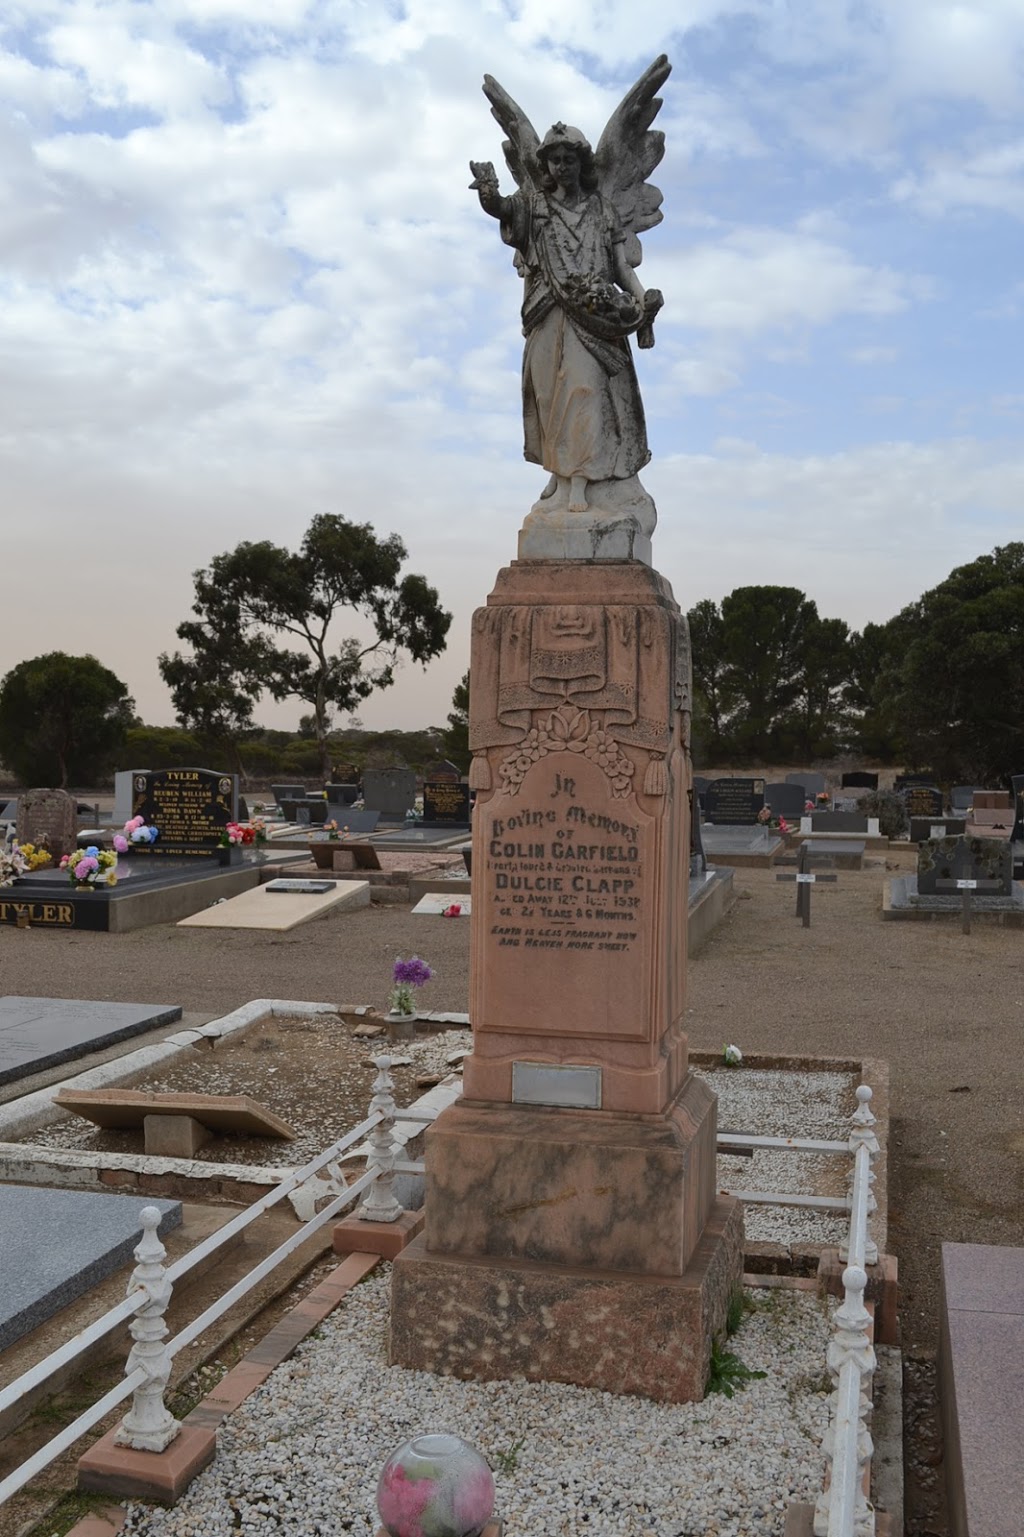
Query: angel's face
pixel 564 165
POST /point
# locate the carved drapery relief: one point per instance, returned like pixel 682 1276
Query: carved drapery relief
pixel 590 679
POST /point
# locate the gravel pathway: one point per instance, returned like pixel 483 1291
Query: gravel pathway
pixel 302 1456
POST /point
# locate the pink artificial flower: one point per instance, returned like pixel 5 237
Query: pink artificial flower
pixel 453 911
pixel 85 867
pixel 402 1500
pixel 135 822
pixel 120 844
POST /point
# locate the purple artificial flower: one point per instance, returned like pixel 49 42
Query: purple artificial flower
pixel 85 867
pixel 120 844
pixel 413 972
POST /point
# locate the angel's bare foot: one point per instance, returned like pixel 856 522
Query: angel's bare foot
pixel 550 488
pixel 578 494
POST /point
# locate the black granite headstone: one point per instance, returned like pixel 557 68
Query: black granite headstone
pixel 839 822
pixel 786 800
pixel 189 807
pixel 733 802
pixel 906 781
pixel 859 779
pixel 923 800
pixel 446 804
pixel 952 859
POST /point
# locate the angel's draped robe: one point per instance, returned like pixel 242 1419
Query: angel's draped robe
pixel 582 412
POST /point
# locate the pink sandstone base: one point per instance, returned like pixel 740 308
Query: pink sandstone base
pixel 573 1187
pixel 164 1476
pixel 353 1235
pixel 485 1319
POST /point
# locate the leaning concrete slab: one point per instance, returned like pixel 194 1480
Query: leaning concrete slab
pixel 280 910
pixel 57 1244
pixel 37 1033
pixel 236 1114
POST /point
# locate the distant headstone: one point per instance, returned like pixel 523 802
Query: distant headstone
pixel 952 859
pixel 813 783
pixel 904 782
pixel 339 794
pixel 189 807
pixel 392 792
pixel 733 802
pixel 123 781
pixel 344 774
pixel 50 817
pixel 698 858
pixel 992 800
pixel 288 792
pixel 9 811
pixel 446 803
pixel 923 801
pixel 786 800
pixel 961 797
pixel 859 779
pixel 351 819
pixel 839 822
pixel 443 771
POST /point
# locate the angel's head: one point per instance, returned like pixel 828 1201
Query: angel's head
pixel 564 139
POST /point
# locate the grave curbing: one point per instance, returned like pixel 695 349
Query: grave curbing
pixel 22 1116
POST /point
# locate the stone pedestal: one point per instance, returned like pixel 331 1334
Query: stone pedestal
pixel 572 1230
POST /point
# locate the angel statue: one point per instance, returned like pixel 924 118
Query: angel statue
pixel 574 224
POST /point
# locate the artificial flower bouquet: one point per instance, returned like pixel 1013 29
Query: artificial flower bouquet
pixel 36 857
pixel 137 832
pixel 235 835
pixel 407 975
pixel 91 866
pixel 12 864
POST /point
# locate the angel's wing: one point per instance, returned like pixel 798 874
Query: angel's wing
pixel 522 143
pixel 627 154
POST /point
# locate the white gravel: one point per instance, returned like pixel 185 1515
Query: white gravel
pixel 776 1103
pixel 302 1456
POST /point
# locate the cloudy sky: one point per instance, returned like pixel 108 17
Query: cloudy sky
pixel 242 281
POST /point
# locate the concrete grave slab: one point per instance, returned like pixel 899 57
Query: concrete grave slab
pixel 437 902
pixel 124 1109
pixel 279 911
pixel 57 1244
pixel 37 1033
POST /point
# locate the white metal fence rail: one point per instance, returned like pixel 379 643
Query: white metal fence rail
pixel 150 1287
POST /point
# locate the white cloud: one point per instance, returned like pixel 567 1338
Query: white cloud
pixel 992 179
pixel 758 279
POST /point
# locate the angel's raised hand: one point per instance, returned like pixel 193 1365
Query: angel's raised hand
pixel 485 178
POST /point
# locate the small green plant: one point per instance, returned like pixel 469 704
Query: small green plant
pixel 734 1312
pixel 508 1460
pixel 727 1372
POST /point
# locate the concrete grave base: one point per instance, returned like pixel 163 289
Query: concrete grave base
pixel 484 1318
pixel 901 901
